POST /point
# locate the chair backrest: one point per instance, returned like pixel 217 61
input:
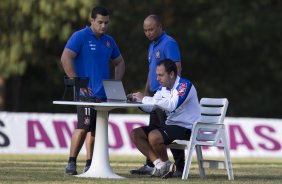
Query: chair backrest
pixel 213 110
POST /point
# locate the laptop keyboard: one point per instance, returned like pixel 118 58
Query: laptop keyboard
pixel 90 99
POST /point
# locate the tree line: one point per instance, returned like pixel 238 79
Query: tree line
pixel 229 49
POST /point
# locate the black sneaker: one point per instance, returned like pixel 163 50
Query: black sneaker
pixel 71 168
pixel 85 168
pixel 177 174
pixel 143 170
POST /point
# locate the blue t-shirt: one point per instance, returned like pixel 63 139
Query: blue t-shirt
pixel 164 48
pixel 93 57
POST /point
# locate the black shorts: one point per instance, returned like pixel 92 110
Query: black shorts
pixel 86 118
pixel 170 132
pixel 157 118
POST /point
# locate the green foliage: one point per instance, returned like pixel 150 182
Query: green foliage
pixel 30 25
pixel 229 48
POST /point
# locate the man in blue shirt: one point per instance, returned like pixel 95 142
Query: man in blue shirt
pixel 162 47
pixel 88 53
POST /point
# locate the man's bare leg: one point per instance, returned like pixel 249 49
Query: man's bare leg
pixel 77 141
pixel 140 139
pixel 157 143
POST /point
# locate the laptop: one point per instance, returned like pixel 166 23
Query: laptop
pixel 115 91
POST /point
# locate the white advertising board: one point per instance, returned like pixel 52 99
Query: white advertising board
pixel 43 133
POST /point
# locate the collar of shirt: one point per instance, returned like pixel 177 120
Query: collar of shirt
pixel 159 39
pixel 175 83
pixel 89 31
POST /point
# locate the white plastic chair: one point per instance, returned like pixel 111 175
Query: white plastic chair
pixel 209 131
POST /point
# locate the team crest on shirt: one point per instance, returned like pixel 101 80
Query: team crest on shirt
pixel 182 89
pixel 108 44
pixel 158 54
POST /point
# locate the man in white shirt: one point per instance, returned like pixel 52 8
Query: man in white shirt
pixel 178 98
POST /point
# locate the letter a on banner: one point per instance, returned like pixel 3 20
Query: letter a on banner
pixel 33 126
pixel 244 139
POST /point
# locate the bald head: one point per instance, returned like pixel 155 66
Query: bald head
pixel 152 27
pixel 154 18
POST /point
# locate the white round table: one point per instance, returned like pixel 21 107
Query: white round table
pixel 100 166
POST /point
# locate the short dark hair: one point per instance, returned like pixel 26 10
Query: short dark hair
pixel 169 65
pixel 99 10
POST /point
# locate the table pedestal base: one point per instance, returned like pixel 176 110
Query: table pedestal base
pixel 100 166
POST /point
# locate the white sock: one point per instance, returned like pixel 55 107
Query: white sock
pixel 158 163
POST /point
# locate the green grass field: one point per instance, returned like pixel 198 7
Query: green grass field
pixel 50 169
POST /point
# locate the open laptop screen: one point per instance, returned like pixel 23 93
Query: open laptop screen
pixel 114 90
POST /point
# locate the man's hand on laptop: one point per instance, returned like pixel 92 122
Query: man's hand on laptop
pixel 129 97
pixel 86 91
pixel 137 97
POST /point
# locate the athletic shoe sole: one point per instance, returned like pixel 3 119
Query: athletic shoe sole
pixel 71 173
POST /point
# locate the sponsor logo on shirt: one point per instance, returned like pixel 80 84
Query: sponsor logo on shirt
pixel 91 45
pixel 158 54
pixel 108 44
pixel 182 89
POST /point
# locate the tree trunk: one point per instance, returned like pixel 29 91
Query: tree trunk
pixel 14 87
pixel 2 93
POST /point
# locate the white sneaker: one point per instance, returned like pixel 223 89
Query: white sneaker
pixel 165 171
